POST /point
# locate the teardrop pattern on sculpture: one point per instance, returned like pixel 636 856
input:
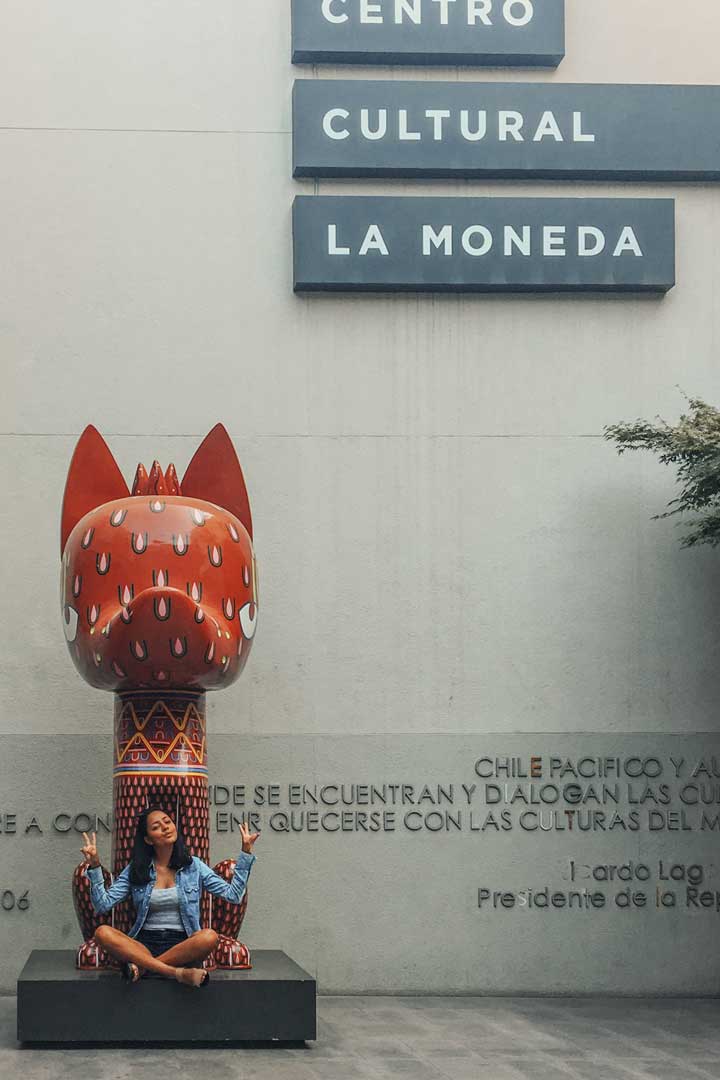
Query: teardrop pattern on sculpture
pixel 102 562
pixel 246 576
pixel 126 615
pixel 248 620
pixel 117 517
pixel 77 585
pixel 161 676
pixel 228 607
pixel 126 593
pixel 209 653
pixel 180 543
pixel 120 672
pixel 139 649
pixel 93 614
pixel 178 647
pixel 139 542
pixel 198 516
pixel 161 607
pixel 194 590
pixel 215 554
pixel 157 505
pixel 87 539
pixel 161 579
pixel 97 659
pixel 234 534
pixel 199 615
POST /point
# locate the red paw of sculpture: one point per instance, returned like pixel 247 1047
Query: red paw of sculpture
pixel 232 955
pixel 90 957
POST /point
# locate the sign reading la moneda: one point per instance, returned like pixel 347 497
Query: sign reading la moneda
pixel 376 243
pixel 474 33
pixel 505 130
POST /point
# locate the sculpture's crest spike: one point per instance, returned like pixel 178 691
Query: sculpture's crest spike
pixel 140 483
pixel 93 478
pixel 214 474
pixel 172 484
pixel 156 480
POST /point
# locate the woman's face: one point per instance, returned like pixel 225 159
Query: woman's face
pixel 160 829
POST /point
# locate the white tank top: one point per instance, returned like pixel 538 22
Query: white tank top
pixel 164 910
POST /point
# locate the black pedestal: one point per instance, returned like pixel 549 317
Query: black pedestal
pixel 59 1004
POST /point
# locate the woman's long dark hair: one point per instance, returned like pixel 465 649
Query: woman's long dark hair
pixel 143 853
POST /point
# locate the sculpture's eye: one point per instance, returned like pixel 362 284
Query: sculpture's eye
pixel 70 623
pixel 248 620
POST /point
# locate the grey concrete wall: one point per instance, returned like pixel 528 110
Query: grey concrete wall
pixel 447 547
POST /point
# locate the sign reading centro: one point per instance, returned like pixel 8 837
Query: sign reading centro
pixel 477 33
pixel 505 130
pixel 379 243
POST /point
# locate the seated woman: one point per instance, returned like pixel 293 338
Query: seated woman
pixel 166 884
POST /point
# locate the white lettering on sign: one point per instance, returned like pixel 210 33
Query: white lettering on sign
pixel 522 243
pixel 370 12
pixel 333 246
pixel 628 242
pixel 510 123
pixel 440 125
pixel 518 12
pixel 333 17
pixel 444 13
pixel 329 117
pixel 444 237
pixel 373 241
pixel 380 129
pixel 470 246
pixel 553 241
pixel 591 241
pixel 515 13
pixel 548 126
pixel 411 8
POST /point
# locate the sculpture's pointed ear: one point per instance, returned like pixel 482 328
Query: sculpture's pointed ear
pixel 214 474
pixel 93 478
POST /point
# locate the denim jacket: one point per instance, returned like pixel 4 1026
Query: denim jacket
pixel 190 881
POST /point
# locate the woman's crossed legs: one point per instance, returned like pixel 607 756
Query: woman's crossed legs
pixel 172 964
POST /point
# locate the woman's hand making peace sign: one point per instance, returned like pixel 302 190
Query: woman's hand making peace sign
pixel 90 849
pixel 248 838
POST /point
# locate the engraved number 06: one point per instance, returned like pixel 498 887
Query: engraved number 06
pixel 8 901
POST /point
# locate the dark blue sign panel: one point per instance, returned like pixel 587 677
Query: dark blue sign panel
pixel 390 244
pixel 506 130
pixel 474 33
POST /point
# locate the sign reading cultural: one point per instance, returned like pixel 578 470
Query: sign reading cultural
pixel 390 244
pixel 474 33
pixel 505 130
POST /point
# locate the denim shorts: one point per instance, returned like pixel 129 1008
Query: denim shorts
pixel 159 941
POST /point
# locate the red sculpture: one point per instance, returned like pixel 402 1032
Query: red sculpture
pixel 159 603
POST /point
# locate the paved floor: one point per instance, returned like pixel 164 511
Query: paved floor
pixel 380 1038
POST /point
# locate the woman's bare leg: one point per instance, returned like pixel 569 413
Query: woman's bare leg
pixel 196 947
pixel 129 951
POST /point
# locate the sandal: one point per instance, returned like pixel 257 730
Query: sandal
pixel 190 976
pixel 130 972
